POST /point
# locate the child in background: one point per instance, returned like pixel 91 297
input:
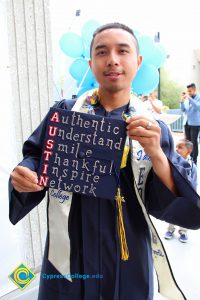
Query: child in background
pixel 184 148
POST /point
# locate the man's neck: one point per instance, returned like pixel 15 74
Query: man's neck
pixel 111 101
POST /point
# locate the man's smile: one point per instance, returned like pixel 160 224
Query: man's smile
pixel 113 75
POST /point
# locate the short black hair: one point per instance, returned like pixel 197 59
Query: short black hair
pixel 188 144
pixel 114 25
pixel 192 85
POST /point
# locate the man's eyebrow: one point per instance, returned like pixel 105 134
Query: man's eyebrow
pixel 124 45
pixel 103 46
pixel 100 46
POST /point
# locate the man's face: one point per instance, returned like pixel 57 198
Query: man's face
pixel 114 59
pixel 191 91
pixel 182 150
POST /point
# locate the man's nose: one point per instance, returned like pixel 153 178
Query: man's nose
pixel 113 60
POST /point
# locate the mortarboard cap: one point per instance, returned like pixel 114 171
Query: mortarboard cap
pixel 82 153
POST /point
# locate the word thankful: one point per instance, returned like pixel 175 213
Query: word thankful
pixel 81 153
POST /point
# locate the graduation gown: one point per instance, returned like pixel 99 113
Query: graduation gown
pixel 82 237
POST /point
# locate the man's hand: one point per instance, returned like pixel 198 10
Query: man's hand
pixel 147 133
pixel 25 180
pixel 184 97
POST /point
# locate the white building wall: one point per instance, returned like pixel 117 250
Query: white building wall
pixel 26 94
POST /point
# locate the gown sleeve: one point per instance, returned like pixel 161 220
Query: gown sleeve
pixel 22 203
pixel 184 209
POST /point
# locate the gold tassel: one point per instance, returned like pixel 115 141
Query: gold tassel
pixel 120 225
pixel 124 156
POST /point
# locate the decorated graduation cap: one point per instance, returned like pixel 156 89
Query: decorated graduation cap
pixel 82 153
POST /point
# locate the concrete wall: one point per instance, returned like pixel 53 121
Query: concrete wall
pixel 31 77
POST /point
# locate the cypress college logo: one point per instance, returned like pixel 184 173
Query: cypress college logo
pixel 22 276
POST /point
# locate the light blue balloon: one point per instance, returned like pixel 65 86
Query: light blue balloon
pixel 87 52
pixel 88 30
pixel 83 90
pixel 89 79
pixel 146 48
pixel 159 57
pixel 87 84
pixel 72 45
pixel 78 68
pixel 86 88
pixel 83 79
pixel 146 80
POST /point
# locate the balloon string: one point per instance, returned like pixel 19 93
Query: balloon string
pixel 56 88
pixel 82 80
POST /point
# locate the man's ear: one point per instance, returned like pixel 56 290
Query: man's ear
pixel 139 61
pixel 90 63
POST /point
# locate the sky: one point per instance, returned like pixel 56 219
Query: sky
pixel 177 21
pixel 176 18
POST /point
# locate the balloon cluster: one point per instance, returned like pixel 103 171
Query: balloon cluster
pixel 78 47
pixel 153 57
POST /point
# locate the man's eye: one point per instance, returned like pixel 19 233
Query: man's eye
pixel 101 52
pixel 123 51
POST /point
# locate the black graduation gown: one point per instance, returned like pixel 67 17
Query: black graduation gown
pixel 92 228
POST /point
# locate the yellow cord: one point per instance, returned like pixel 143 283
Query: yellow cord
pixel 121 229
pixel 124 156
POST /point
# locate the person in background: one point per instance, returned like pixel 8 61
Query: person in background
pixel 144 98
pixel 153 105
pixel 190 106
pixel 184 148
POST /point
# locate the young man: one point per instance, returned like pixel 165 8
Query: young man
pixel 190 105
pixel 184 148
pixel 83 236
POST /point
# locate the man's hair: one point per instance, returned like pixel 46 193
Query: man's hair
pixel 114 25
pixel 192 85
pixel 186 143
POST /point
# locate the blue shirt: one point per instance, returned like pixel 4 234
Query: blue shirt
pixel 193 173
pixel 191 108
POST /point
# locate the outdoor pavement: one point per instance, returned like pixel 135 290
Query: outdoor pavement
pixel 185 261
pixel 184 258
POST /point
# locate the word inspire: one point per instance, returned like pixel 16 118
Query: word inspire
pixel 80 151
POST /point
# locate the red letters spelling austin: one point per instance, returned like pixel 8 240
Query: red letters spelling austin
pixel 52 131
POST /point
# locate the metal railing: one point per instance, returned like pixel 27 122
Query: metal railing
pixel 177 126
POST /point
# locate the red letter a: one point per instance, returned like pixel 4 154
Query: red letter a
pixel 55 118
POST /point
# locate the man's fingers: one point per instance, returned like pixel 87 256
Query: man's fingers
pixel 27 173
pixel 142 140
pixel 145 123
pixel 141 121
pixel 141 132
pixel 25 180
pixel 19 180
pixel 22 189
